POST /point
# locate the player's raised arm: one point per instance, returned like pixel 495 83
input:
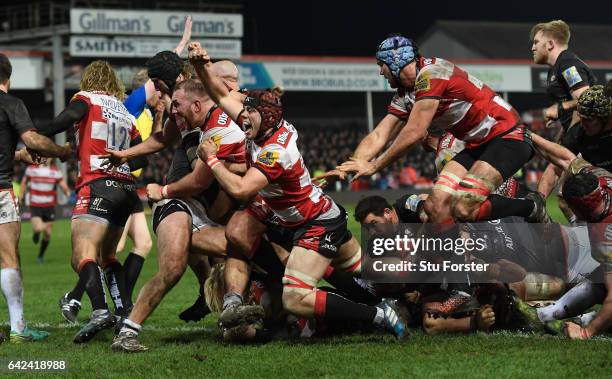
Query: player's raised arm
pixel 372 144
pixel 215 88
pixel 413 133
pixel 186 36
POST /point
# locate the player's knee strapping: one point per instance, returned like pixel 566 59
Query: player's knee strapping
pixel 352 264
pixel 447 182
pixel 540 286
pixel 474 188
pixel 296 282
pixel 297 285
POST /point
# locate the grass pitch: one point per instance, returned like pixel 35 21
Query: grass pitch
pixel 195 350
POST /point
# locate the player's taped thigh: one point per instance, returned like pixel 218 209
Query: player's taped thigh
pixel 474 189
pixel 540 286
pixel 447 182
pixel 297 283
pixel 352 264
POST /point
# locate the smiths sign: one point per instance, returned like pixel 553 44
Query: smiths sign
pixel 100 46
pixel 162 23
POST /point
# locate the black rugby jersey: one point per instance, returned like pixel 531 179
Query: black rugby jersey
pixel 596 150
pixel 14 121
pixel 567 74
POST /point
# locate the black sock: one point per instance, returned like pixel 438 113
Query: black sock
pixel 78 290
pixel 504 207
pixel 131 268
pixel 354 288
pixel 43 246
pixel 35 237
pixel 340 308
pixel 92 277
pixel 115 280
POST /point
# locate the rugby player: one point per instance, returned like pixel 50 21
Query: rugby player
pixel 183 180
pixel 137 103
pixel 281 182
pixel 15 123
pixel 182 224
pixel 41 181
pixel 568 77
pixel 587 190
pixel 450 99
pixel 545 264
pixel 105 198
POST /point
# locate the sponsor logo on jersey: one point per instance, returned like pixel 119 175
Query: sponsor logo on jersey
pixel 422 83
pixel 217 140
pixel 222 119
pixel 268 158
pixel 282 138
pixel 571 76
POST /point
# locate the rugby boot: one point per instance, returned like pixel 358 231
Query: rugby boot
pixel 70 309
pixel 100 319
pixel 457 303
pixel 28 335
pixel 555 327
pixel 539 214
pixel 240 314
pixel 127 342
pixel 392 321
pixel 528 313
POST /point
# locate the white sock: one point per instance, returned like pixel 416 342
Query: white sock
pixel 586 318
pixel 575 301
pixel 130 326
pixel 12 288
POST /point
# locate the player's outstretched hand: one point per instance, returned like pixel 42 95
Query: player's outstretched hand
pixel 207 149
pixel 575 331
pixel 154 192
pixel 328 178
pixel 360 167
pixel 113 158
pixel 197 54
pixel 485 317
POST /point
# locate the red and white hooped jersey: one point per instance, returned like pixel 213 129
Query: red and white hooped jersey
pixel 468 108
pixel 227 135
pixel 108 125
pixel 42 185
pixel 290 193
pixel 401 104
